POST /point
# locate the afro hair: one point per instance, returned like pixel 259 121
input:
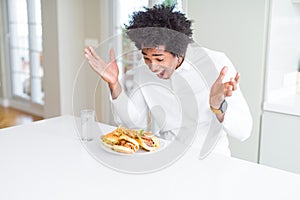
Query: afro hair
pixel 160 26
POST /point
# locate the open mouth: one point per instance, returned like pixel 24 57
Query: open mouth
pixel 160 74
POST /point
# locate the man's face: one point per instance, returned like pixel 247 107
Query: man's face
pixel 160 61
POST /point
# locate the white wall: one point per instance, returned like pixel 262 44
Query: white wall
pixel 3 94
pixel 63 38
pixel 71 39
pixel 237 28
pixel 51 58
pixel 1 52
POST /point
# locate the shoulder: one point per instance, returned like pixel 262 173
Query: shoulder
pixel 220 60
pixel 214 54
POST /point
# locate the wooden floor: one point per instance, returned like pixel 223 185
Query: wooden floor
pixel 11 117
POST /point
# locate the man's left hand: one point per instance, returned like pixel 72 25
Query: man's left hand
pixel 219 90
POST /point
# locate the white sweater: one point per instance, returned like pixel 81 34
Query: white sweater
pixel 183 101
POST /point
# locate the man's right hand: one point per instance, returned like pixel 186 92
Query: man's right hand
pixel 108 71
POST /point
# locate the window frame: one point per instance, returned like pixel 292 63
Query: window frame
pixel 14 100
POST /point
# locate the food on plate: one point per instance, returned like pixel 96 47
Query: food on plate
pixel 148 141
pixel 120 142
pixel 110 139
pixel 129 141
pixel 126 131
pixel 126 145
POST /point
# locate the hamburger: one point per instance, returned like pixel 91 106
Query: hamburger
pixel 148 141
pixel 126 145
pixel 120 142
pixel 110 139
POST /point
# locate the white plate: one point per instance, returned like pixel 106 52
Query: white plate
pixel 140 152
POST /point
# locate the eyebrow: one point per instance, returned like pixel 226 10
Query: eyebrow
pixel 155 54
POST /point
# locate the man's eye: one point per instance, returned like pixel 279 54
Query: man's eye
pixel 160 59
pixel 145 58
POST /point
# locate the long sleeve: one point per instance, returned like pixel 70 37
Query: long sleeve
pixel 130 111
pixel 238 120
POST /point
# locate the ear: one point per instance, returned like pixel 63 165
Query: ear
pixel 180 60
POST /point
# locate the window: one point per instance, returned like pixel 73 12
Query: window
pixel 24 28
pixel 126 8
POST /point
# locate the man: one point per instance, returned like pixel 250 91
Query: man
pixel 163 36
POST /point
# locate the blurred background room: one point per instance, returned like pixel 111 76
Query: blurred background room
pixel 41 51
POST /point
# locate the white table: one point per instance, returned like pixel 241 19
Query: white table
pixel 45 160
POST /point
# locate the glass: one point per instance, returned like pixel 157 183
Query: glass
pixel 17 11
pixel 20 61
pixel 35 12
pixel 37 91
pixel 36 64
pixel 87 117
pixel 36 37
pixel 21 85
pixel 19 36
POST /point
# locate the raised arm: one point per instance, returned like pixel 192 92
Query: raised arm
pixel 129 111
pixel 237 120
pixel 107 71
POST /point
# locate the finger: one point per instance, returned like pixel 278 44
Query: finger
pixel 93 56
pixel 234 87
pixel 93 52
pixel 99 64
pixel 92 61
pixel 222 73
pixel 233 83
pixel 112 55
pixel 229 87
pixel 88 56
pixel 228 90
pixel 96 67
pixel 237 77
pixel 228 93
pixel 93 66
pixel 87 52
